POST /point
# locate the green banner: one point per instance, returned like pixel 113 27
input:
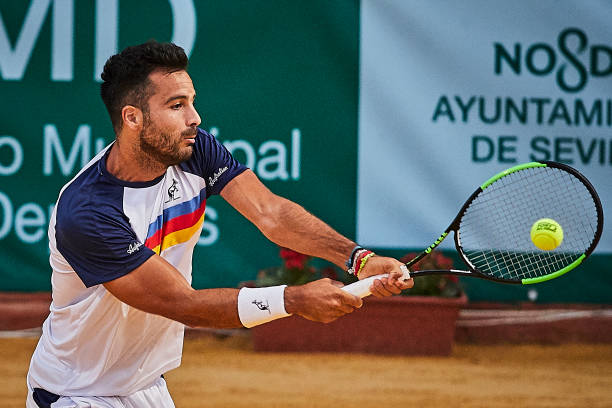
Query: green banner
pixel 309 94
pixel 276 81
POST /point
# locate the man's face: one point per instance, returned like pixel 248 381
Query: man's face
pixel 170 125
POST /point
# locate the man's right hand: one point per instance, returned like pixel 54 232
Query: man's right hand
pixel 321 300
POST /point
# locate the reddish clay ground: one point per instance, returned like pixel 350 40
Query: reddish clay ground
pixel 226 373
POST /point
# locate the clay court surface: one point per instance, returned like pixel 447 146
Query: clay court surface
pixel 225 372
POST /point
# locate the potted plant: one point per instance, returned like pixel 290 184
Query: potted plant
pixel 419 322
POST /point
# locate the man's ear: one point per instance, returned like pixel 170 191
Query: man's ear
pixel 132 117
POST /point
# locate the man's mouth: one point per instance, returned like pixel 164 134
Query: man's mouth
pixel 190 135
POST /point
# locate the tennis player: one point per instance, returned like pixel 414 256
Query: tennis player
pixel 122 236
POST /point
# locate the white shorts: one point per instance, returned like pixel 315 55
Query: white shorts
pixel 156 396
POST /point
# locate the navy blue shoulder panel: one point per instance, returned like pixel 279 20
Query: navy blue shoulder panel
pixel 212 161
pixel 92 232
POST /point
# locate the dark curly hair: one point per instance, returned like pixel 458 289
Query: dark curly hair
pixel 126 75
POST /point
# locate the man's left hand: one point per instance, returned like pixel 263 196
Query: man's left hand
pixel 392 285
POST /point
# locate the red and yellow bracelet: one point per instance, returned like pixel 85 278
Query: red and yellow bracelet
pixel 361 260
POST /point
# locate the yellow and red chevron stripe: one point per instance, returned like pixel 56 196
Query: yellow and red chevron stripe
pixel 176 224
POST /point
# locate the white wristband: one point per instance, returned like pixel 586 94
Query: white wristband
pixel 261 305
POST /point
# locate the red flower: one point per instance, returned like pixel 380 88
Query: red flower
pixel 408 257
pixel 453 278
pixel 435 260
pixel 293 259
pixel 441 261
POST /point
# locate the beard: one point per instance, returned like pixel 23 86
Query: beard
pixel 163 147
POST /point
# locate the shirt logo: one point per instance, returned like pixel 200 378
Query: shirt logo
pixel 212 180
pixel 173 192
pixel 134 246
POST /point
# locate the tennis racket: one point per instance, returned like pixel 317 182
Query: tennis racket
pixel 492 229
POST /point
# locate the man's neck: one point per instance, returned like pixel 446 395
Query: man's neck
pixel 131 164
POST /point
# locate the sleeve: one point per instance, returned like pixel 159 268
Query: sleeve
pixel 99 247
pixel 212 161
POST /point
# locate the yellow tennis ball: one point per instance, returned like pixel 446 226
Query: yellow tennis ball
pixel 546 234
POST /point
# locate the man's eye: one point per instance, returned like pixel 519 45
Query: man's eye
pixel 177 106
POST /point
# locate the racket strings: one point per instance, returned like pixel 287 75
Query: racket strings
pixel 494 231
pixel 508 258
pixel 509 261
pixel 521 262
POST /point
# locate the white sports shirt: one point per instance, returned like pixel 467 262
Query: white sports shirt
pixel 103 228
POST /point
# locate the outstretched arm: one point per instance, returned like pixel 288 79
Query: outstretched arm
pixel 285 222
pixel 159 288
pixel 290 225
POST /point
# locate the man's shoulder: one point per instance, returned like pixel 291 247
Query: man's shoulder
pixel 204 141
pixel 88 197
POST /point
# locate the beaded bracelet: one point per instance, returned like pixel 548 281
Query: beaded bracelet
pixel 358 255
pixel 349 262
pixel 355 259
pixel 362 261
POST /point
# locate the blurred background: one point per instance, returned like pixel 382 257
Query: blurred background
pixel 380 117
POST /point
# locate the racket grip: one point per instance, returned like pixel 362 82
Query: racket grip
pixel 362 288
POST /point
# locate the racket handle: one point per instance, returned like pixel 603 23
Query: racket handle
pixel 362 288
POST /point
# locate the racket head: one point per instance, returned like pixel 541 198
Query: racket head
pixel 492 230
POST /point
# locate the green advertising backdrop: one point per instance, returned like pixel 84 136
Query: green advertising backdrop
pixel 276 83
